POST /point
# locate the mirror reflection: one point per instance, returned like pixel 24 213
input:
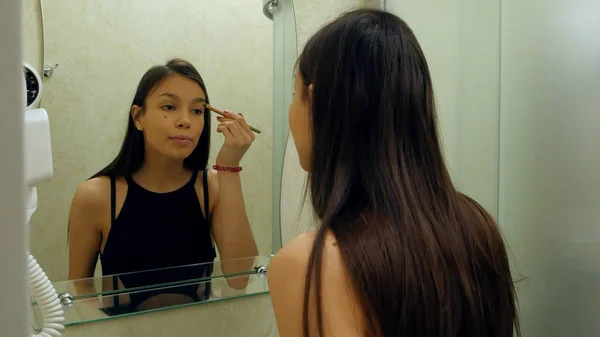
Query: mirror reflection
pixel 148 176
pixel 165 207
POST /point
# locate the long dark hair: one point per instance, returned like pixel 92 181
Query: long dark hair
pixel 131 155
pixel 424 259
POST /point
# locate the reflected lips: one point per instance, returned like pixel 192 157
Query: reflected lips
pixel 182 140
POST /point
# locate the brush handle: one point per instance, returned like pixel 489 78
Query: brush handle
pixel 219 112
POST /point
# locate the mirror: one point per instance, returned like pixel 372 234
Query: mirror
pixel 134 241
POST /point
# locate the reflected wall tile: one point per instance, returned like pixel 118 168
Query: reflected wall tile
pixel 31 34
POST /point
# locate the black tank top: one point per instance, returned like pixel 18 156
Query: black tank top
pixel 157 231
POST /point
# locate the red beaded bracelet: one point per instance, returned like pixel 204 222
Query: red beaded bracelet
pixel 227 168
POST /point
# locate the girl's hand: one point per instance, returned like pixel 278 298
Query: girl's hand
pixel 238 138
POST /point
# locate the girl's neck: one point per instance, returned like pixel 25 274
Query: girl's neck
pixel 162 174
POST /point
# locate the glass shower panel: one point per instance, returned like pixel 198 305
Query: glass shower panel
pixel 550 162
pixel 285 50
pixel 462 49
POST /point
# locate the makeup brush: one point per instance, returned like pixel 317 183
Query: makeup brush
pixel 219 112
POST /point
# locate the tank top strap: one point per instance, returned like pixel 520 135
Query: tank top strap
pixel 113 200
pixel 113 217
pixel 129 180
pixel 205 190
pixel 192 183
pixel 193 178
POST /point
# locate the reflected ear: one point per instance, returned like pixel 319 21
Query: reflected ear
pixel 136 113
pixel 310 91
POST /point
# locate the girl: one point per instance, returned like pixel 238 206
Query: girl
pixel 156 205
pixel 399 251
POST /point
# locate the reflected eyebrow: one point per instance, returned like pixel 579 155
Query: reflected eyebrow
pixel 173 96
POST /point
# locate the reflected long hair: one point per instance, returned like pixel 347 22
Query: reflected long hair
pixel 131 156
pixel 424 260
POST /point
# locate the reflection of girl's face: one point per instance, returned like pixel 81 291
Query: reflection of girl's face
pixel 299 114
pixel 173 117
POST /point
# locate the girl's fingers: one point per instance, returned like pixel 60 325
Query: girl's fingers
pixel 222 128
pixel 231 115
pixel 239 118
pixel 223 119
pixel 235 129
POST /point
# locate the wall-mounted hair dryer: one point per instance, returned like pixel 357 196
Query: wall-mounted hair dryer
pixel 39 170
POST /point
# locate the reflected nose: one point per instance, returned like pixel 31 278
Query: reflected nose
pixel 184 120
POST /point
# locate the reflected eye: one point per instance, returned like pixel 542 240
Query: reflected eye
pixel 168 107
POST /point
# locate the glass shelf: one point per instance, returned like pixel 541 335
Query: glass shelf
pixel 102 307
pixel 110 284
pixel 101 298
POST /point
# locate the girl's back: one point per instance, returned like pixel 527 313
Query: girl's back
pixel 471 298
pixel 399 251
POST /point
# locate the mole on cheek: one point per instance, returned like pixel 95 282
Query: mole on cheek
pixel 165 116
